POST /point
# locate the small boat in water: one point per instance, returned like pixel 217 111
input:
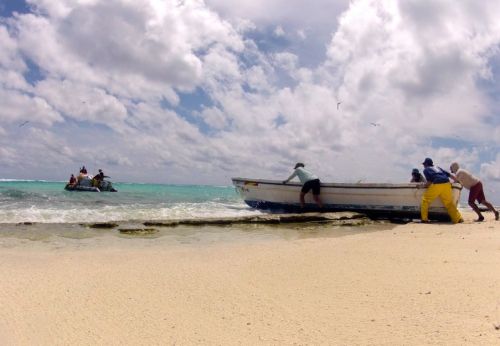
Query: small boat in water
pixel 90 185
pixel 375 200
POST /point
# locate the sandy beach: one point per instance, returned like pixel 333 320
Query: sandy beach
pixel 410 284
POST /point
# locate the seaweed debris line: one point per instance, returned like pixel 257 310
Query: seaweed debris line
pixel 337 218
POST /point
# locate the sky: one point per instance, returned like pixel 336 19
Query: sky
pixel 197 92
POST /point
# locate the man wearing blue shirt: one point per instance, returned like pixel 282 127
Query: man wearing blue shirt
pixel 438 185
pixel 309 180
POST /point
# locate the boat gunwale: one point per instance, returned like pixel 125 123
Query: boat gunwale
pixel 340 185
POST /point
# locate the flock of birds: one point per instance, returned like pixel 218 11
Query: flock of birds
pixel 338 107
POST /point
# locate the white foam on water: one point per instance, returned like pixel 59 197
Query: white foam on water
pixel 125 212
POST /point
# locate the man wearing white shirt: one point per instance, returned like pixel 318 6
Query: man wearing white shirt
pixel 475 187
pixel 309 181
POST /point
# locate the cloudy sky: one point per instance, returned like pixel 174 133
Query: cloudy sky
pixel 192 91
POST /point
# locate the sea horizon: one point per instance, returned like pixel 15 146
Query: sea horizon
pixel 117 182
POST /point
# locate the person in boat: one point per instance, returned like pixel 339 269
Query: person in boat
pixel 82 175
pixel 475 187
pixel 416 176
pixel 72 181
pixel 98 178
pixel 309 181
pixel 438 185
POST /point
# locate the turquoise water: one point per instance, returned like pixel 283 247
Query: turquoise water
pixel 42 201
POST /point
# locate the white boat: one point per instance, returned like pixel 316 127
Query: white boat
pixel 377 200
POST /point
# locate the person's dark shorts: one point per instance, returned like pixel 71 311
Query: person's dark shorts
pixel 311 184
pixel 476 193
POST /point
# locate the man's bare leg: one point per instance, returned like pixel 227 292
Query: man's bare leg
pixel 478 212
pixel 302 202
pixel 491 208
pixel 317 199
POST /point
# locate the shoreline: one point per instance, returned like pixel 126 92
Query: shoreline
pixel 409 284
pixel 242 228
pixel 136 235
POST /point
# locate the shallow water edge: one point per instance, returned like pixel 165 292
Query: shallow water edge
pixel 191 231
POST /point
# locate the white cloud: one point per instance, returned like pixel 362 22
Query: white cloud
pixel 121 42
pixel 286 60
pixel 83 103
pixel 301 34
pixel 17 108
pixel 8 156
pixel 491 170
pixel 214 118
pixel 387 72
pixel 279 32
pixel 10 79
pixel 9 55
pixel 295 12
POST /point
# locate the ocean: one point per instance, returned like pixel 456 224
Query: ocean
pixel 42 213
pixel 24 201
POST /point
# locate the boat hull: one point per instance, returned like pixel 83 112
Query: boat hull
pixel 376 200
pixel 81 188
pixel 104 186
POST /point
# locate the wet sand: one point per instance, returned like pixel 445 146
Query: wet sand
pixel 409 284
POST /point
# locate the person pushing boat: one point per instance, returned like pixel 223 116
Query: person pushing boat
pixel 309 181
pixel 438 185
pixel 475 187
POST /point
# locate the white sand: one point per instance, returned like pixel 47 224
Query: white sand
pixel 413 284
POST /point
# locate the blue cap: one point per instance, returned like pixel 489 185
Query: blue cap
pixel 428 162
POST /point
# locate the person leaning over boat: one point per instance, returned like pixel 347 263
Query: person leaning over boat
pixel 475 187
pixel 416 176
pixel 309 181
pixel 438 185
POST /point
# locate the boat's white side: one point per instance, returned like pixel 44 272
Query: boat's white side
pixel 391 199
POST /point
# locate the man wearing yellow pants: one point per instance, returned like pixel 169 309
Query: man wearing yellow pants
pixel 438 185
